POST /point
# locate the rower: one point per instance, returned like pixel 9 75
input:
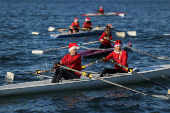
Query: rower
pixel 72 60
pixel 101 11
pixel 105 38
pixel 87 24
pixel 74 26
pixel 118 55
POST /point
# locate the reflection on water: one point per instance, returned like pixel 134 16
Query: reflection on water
pixel 70 100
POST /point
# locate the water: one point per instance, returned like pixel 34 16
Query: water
pixel 18 18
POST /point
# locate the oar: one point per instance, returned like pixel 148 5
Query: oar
pixel 50 29
pixel 122 34
pixel 84 66
pixel 163 58
pixel 78 27
pixel 130 70
pixel 10 75
pixel 91 76
pixel 42 51
pixel 69 28
pixel 166 34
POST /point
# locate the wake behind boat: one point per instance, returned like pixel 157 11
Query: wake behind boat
pixel 152 72
pixel 94 31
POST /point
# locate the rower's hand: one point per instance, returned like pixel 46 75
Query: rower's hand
pixel 53 69
pixel 105 38
pixel 103 58
pixel 56 63
pixel 112 60
pixel 71 27
pixel 101 40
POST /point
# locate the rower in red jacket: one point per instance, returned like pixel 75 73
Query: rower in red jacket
pixel 72 60
pixel 105 38
pixel 87 24
pixel 74 26
pixel 120 56
pixel 101 11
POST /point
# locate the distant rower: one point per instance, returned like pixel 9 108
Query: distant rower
pixel 74 26
pixel 87 24
pixel 105 38
pixel 101 11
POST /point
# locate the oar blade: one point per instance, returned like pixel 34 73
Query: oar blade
pixel 131 33
pixel 37 51
pixel 163 58
pixel 120 34
pixel 166 34
pixel 161 96
pixel 9 76
pixel 169 91
pixel 51 29
pixel 35 33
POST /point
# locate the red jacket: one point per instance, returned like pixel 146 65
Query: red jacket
pixel 101 10
pixel 105 42
pixel 121 59
pixel 73 62
pixel 87 25
pixel 75 24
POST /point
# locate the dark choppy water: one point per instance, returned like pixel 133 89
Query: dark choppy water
pixel 18 18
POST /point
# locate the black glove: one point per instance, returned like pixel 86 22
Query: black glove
pixel 56 63
pixel 112 60
pixel 103 58
pixel 53 69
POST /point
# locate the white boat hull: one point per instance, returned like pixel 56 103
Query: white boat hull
pixel 83 83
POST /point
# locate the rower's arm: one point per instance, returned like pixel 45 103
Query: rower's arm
pixel 109 57
pixel 76 59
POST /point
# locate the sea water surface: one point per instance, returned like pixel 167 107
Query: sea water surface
pixel 18 18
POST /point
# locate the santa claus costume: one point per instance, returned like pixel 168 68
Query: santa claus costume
pixel 75 26
pixel 87 24
pixel 71 61
pixel 105 38
pixel 120 57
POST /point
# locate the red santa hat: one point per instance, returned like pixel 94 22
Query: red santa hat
pixel 76 19
pixel 118 43
pixel 73 46
pixel 87 19
pixel 109 25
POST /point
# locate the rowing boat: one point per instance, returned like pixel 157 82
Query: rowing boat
pixel 97 14
pixel 94 31
pixel 97 52
pixel 151 72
